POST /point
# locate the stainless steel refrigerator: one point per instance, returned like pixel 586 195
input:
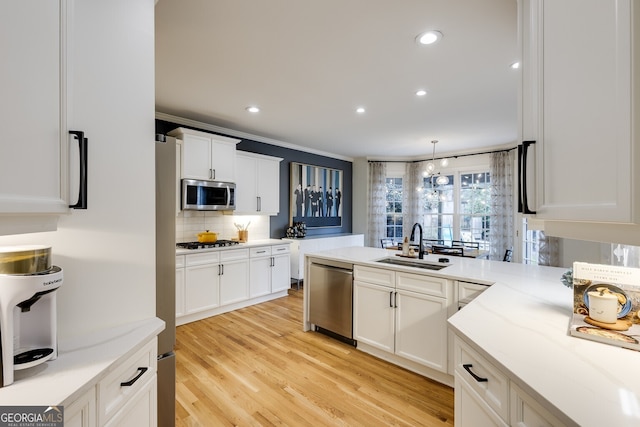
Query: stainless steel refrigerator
pixel 166 275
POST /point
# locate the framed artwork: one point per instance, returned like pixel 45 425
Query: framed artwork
pixel 316 196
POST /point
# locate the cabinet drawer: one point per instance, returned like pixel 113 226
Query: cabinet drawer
pixel 260 252
pixel 491 384
pixel 435 286
pixel 378 276
pixel 203 258
pixel 180 261
pixel 280 249
pixel 233 254
pixel 112 395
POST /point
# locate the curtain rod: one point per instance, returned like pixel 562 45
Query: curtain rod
pixel 446 157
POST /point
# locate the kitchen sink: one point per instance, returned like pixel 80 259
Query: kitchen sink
pixel 413 263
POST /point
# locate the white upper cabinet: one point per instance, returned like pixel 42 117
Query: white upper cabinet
pixel 207 156
pixel 579 103
pixel 34 153
pixel 257 184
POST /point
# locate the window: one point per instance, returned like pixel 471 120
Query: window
pixel 439 210
pixel 475 207
pixel 530 245
pixel 459 210
pixel 394 209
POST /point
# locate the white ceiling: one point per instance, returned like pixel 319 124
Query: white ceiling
pixel 308 64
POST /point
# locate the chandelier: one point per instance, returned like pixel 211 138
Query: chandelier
pixel 434 176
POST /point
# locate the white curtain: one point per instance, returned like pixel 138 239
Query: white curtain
pixel 376 227
pixel 413 203
pixel 548 250
pixel 502 206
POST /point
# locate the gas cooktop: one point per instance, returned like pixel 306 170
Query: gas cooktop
pixel 199 245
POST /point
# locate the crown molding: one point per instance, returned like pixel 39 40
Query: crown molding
pixel 245 135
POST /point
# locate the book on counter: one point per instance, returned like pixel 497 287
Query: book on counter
pixel 606 304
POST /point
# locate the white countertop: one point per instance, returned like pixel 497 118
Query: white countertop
pixel 249 244
pixel 521 325
pixel 81 363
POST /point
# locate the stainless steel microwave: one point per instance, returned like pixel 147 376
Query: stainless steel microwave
pixel 208 195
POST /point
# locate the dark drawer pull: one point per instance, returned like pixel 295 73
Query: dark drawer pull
pixel 136 378
pixel 468 367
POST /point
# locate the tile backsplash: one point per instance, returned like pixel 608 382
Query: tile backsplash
pixel 190 223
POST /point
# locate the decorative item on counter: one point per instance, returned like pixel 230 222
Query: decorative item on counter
pixel 298 230
pixel 567 278
pixel 243 232
pixel 606 302
pixel 405 246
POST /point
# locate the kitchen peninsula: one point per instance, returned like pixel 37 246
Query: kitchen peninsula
pixel 519 328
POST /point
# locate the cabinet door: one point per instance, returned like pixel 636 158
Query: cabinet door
pixel 201 287
pixel 196 162
pixel 234 282
pixel 470 410
pixel 260 277
pixel 223 160
pixel 280 273
pixel 527 412
pixel 373 315
pixel 268 184
pixel 180 290
pixel 33 87
pixel 246 190
pixel 141 410
pixel 581 108
pixel 421 329
pixel 82 412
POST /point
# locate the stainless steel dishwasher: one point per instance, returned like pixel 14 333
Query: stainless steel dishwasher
pixel 331 297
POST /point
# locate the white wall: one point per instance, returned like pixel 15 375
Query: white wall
pixel 190 223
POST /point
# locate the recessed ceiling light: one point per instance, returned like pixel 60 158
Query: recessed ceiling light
pixel 360 110
pixel 515 65
pixel 429 37
pixel 421 92
pixel 253 109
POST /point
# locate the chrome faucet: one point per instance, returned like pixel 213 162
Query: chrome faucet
pixel 413 235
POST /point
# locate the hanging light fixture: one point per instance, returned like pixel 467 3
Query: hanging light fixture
pixel 436 177
pixel 430 170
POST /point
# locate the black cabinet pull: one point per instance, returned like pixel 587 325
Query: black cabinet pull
pixel 82 191
pixel 467 367
pixel 129 383
pixel 395 301
pixel 391 299
pixel 523 202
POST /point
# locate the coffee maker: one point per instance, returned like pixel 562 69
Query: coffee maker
pixel 28 316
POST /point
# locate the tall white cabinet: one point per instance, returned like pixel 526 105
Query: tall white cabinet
pixel 207 156
pixel 257 184
pixel 33 83
pixel 579 102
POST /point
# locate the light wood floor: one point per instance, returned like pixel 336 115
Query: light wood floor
pixel 256 367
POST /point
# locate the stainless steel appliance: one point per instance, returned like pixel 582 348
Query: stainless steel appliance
pixel 331 297
pixel 28 313
pixel 205 245
pixel 208 195
pixel 166 180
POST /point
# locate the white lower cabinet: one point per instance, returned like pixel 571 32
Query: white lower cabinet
pixel 486 396
pixel 126 396
pixel 180 283
pixel 82 412
pixel 215 282
pixel 270 266
pixel 403 314
pixel 234 276
pixel 527 412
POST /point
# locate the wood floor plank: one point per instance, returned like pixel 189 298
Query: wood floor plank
pixel 256 367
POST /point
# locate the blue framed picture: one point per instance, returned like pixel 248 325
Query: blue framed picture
pixel 316 196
